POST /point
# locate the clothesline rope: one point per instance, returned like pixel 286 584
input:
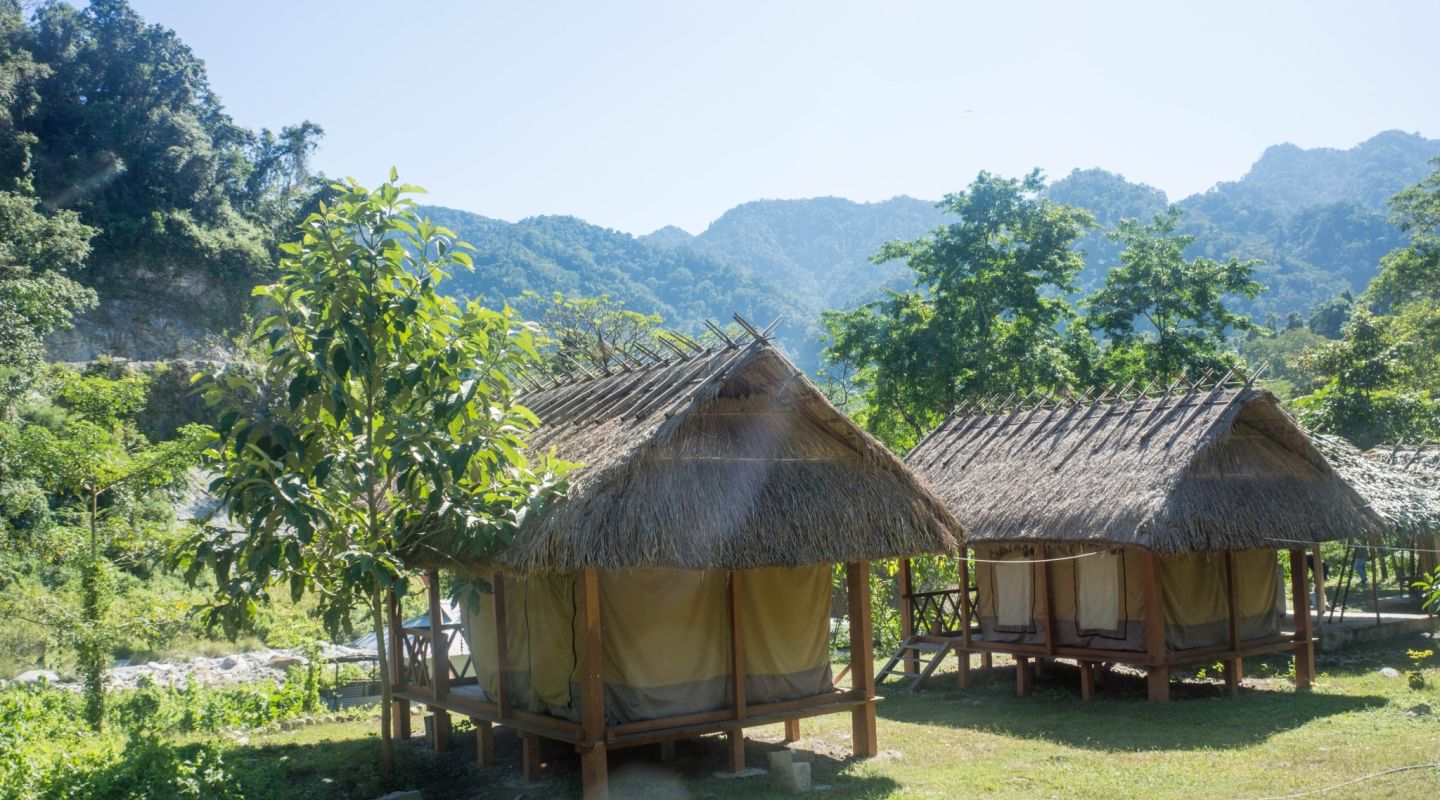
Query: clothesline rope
pixel 1357 544
pixel 1031 560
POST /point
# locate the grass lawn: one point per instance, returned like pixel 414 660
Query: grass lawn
pixel 943 742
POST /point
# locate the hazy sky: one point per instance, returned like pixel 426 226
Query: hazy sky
pixel 637 115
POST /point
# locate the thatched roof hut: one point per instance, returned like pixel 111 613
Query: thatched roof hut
pixel 1140 527
pixel 1218 469
pixel 727 459
pixel 683 583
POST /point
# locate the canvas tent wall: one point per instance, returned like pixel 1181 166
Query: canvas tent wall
pixel 1098 599
pixel 784 625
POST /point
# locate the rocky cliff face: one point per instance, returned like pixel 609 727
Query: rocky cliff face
pixel 156 316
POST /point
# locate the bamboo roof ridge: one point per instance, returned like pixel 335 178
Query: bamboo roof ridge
pixel 1394 480
pixel 716 454
pixel 1174 466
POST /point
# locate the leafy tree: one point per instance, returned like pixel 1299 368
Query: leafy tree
pixel 385 411
pixel 1412 272
pixel 36 295
pixel 1162 312
pixel 983 317
pixel 1366 398
pixel 1328 319
pixel 96 466
pixel 591 329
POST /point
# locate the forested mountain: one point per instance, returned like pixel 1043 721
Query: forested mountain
pixel 113 119
pixel 1317 218
pixel 565 254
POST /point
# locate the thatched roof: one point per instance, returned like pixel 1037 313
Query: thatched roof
pixel 1420 460
pixel 1214 468
pixel 1402 483
pixel 722 457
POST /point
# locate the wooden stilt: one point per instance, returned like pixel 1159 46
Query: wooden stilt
pixel 1157 683
pixel 439 665
pixel 1304 640
pixel 907 610
pixel 1234 673
pixel 1321 601
pixel 399 707
pixel 1047 601
pixel 792 730
pixel 484 742
pixel 986 661
pixel 966 612
pixel 667 751
pixel 962 668
pixel 1157 676
pixel 594 772
pixel 862 659
pixel 1087 680
pixel 1022 676
pixel 735 749
pixel 530 756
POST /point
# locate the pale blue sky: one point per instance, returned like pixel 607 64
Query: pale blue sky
pixel 637 115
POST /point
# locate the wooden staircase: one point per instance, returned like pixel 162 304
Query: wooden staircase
pixel 923 656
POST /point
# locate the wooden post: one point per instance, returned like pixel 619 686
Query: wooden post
pixel 502 646
pixel 792 730
pixel 1087 680
pixel 862 659
pixel 735 749
pixel 1321 601
pixel 1022 676
pixel 736 736
pixel 1374 580
pixel 484 742
pixel 1234 668
pixel 907 610
pixel 1304 641
pixel 1157 674
pixel 962 668
pixel 594 775
pixel 530 757
pixel 399 707
pixel 1047 602
pixel 439 665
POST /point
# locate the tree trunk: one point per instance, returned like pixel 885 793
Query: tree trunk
pixel 92 650
pixel 387 743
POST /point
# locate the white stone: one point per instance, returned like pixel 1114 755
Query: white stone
pixel 282 661
pixel 1390 672
pixel 38 676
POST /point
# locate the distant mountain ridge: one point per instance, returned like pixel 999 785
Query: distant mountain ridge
pixel 1317 217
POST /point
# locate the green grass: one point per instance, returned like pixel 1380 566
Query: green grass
pixel 944 742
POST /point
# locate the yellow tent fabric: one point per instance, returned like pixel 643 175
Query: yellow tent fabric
pixel 1192 586
pixel 1097 592
pixel 665 637
pixel 785 631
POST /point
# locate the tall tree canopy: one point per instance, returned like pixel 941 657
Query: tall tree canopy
pixel 385 411
pixel 114 118
pixel 1164 315
pixel 984 316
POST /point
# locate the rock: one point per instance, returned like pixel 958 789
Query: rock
pixel 38 676
pixel 284 661
pixel 1419 710
pixel 230 662
pixel 790 770
pixel 407 794
pixel 1390 672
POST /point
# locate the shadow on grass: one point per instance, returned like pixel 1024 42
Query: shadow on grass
pixel 345 768
pixel 1201 715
